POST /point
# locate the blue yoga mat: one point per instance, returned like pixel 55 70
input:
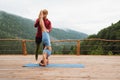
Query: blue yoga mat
pixel 56 65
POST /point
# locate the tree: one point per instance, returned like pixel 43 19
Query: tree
pixel 97 51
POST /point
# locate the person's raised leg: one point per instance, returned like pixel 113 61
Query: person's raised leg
pixel 41 22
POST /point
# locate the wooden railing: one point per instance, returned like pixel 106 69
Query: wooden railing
pixel 24 49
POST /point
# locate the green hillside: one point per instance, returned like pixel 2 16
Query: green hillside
pixel 12 26
pixel 111 33
pixel 98 47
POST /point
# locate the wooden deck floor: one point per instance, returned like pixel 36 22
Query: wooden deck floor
pixel 96 68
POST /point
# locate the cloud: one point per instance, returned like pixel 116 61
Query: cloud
pixel 87 16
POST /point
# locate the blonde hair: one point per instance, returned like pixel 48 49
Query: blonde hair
pixel 45 11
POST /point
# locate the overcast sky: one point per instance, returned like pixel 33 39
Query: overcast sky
pixel 88 16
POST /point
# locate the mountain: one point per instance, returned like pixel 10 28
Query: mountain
pixel 111 32
pixel 67 34
pixel 13 26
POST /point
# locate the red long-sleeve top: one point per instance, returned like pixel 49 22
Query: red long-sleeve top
pixel 39 31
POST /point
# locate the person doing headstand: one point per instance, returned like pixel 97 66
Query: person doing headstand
pixel 38 38
pixel 46 41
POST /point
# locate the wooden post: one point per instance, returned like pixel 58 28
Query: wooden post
pixel 78 47
pixel 24 50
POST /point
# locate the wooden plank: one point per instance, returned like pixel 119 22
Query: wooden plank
pixel 96 68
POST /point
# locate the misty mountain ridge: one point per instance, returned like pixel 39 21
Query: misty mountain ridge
pixel 13 26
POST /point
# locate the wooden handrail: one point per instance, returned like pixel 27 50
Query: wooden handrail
pixel 68 40
pixel 24 49
pixel 98 39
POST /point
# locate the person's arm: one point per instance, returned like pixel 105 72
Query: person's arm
pixel 44 61
pixel 49 27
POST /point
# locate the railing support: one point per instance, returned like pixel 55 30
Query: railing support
pixel 78 47
pixel 24 49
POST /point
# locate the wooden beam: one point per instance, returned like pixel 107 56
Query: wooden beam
pixel 24 49
pixel 78 47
